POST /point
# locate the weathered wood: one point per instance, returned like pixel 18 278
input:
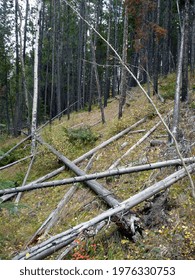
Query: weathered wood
pixel 101 191
pixel 24 182
pixel 81 158
pixel 95 186
pixel 99 175
pixel 110 140
pixel 137 131
pixel 154 143
pixel 59 241
pixel 41 179
pixel 116 163
pixel 54 215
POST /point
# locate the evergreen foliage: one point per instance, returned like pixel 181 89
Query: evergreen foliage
pixel 66 67
pixel 82 135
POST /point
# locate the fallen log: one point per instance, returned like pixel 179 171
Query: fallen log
pixel 81 158
pixel 137 131
pixel 110 140
pixel 116 163
pixel 24 182
pixel 99 175
pixel 54 215
pixel 41 179
pixel 123 222
pixel 61 240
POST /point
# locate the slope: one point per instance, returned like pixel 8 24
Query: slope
pixel 166 236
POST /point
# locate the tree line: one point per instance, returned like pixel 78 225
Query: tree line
pixel 76 68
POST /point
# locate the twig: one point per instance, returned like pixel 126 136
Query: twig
pixel 144 91
pixel 61 240
pixel 108 173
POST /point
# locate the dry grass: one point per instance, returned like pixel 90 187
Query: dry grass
pixel 173 240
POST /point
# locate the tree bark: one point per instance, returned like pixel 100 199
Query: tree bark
pixel 176 111
pixel 123 85
pixel 17 115
pixel 22 60
pixel 97 82
pixel 52 103
pixel 99 175
pixel 116 163
pixel 59 241
pixel 156 53
pixel 35 93
pixel 192 58
pixel 185 80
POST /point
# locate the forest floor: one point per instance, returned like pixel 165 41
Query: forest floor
pixel 167 236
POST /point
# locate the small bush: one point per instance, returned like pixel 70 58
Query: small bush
pixel 11 207
pixel 82 135
pixel 7 184
pixel 168 90
pixel 192 105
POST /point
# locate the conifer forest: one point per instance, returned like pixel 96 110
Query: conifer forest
pixel 97 129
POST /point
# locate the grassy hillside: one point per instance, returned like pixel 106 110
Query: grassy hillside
pixel 171 237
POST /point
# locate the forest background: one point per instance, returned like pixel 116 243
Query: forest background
pixel 147 35
pixel 68 77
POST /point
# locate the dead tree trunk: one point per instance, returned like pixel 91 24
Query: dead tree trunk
pixel 99 175
pixel 78 160
pixel 54 216
pixel 177 90
pixel 116 163
pixel 123 85
pixel 97 81
pixel 105 194
pixel 35 94
pixel 61 240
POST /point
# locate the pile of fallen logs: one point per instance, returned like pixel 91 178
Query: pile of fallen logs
pixel 118 212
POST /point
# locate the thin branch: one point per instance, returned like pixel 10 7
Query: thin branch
pixel 61 240
pixel 99 175
pixel 144 91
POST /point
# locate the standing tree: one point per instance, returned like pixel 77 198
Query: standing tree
pixel 22 61
pixel 123 85
pixel 35 93
pixel 178 86
pixel 97 82
pixel 17 115
pixel 184 89
pixel 5 68
pixel 156 51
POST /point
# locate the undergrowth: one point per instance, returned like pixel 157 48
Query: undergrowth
pixel 81 136
pixel 74 137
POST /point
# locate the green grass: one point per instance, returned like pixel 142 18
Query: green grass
pixel 73 138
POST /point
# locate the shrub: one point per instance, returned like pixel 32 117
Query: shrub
pixel 82 135
pixel 7 184
pixel 168 90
